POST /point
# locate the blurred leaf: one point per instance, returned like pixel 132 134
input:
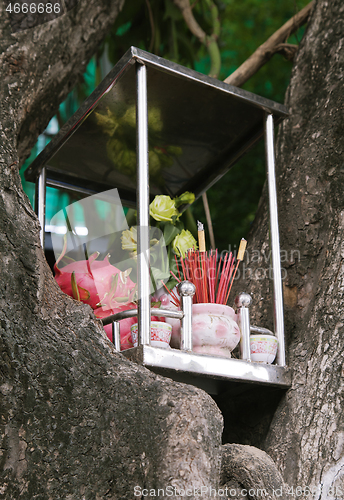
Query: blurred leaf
pixel 189 222
pixel 170 232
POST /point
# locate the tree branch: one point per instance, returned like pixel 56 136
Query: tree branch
pixel 210 41
pixel 194 27
pixel 209 221
pixel 288 50
pixel 268 48
pixel 152 25
pixel 40 75
pixel 215 57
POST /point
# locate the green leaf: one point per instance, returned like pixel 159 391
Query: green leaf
pixel 159 275
pixel 131 217
pixel 180 226
pixel 170 232
pixel 189 222
pixel 171 283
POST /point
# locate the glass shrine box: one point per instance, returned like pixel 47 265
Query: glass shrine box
pixel 212 125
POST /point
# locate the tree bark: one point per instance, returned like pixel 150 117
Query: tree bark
pixel 310 450
pixel 77 420
pixel 306 437
pixel 249 473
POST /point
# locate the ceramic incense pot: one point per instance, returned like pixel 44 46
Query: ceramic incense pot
pixel 214 329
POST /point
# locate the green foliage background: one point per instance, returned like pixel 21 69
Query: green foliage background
pixel 158 26
pixel 245 25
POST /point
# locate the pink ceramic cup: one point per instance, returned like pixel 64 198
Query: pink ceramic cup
pixel 160 334
pixel 263 348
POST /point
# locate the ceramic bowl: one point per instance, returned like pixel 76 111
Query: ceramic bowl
pixel 160 334
pixel 263 348
pixel 214 329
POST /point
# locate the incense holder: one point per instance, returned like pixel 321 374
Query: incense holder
pixel 214 329
pixel 263 348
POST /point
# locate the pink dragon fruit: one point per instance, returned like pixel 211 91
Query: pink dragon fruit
pixel 96 283
pixel 104 287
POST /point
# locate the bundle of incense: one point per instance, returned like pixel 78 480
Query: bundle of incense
pixel 212 277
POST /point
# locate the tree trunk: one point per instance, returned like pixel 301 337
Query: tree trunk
pixel 78 421
pixel 306 437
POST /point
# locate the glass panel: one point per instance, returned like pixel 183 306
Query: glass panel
pixel 102 149
pixel 198 128
pixel 201 125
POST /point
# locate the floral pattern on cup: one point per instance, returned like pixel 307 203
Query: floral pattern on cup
pixel 160 334
pixel 263 348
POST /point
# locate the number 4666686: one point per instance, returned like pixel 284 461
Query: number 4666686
pixel 33 8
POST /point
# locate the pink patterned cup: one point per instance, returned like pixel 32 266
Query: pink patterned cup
pixel 263 348
pixel 160 334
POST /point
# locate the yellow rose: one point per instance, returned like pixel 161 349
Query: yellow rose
pixel 183 242
pixel 163 208
pixel 129 240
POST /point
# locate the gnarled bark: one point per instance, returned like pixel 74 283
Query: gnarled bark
pixel 306 434
pixel 78 421
pixel 249 473
pixel 310 451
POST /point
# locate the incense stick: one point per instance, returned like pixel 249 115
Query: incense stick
pixel 240 257
pixel 201 236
